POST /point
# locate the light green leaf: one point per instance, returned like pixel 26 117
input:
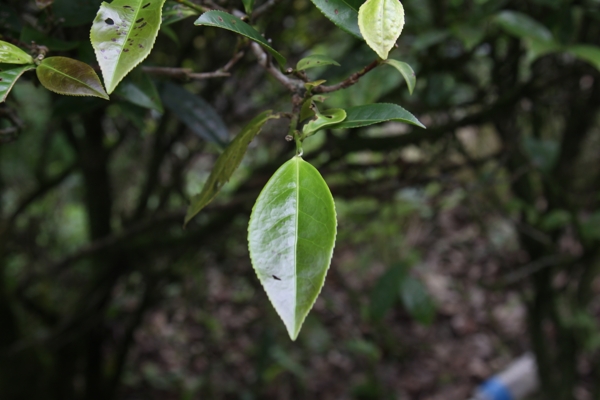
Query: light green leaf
pixel 70 77
pixel 523 26
pixel 406 71
pixel 137 88
pixel 223 20
pixel 381 23
pixel 328 117
pixel 11 54
pixel 417 300
pixel 342 13
pixel 291 237
pixel 123 35
pixel 587 53
pixel 375 113
pixel 175 12
pixel 316 60
pixel 227 163
pixel 8 78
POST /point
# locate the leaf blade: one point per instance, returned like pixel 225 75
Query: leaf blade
pixel 9 77
pixel 138 89
pixel 371 114
pixel 341 14
pixel 316 60
pixel 11 54
pixel 291 236
pixel 381 23
pixel 70 77
pixel 406 71
pixel 327 118
pixel 588 53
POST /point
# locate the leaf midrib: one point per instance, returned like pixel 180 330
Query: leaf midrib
pixel 72 78
pixel 297 163
pixel 122 47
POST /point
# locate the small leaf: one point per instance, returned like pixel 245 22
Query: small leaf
pixel 406 71
pixel 137 88
pixel 227 163
pixel 196 113
pixel 11 54
pixel 328 117
pixel 316 60
pixel 175 12
pixel 248 6
pixel 223 20
pixel 341 13
pixel 381 23
pixel 291 237
pixel 123 35
pixel 417 300
pixel 8 78
pixel 375 113
pixel 523 26
pixel 587 53
pixel 70 77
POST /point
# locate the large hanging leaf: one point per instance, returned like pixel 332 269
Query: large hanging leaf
pixel 316 60
pixel 123 35
pixel 70 77
pixel 342 13
pixel 227 163
pixel 375 113
pixel 291 237
pixel 381 23
pixel 223 20
pixel 406 71
pixel 8 78
pixel 11 54
pixel 137 88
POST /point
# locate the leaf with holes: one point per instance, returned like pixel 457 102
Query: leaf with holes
pixel 123 34
pixel 314 61
pixel 291 237
pixel 342 13
pixel 223 20
pixel 328 117
pixel 370 114
pixel 406 71
pixel 70 77
pixel 138 88
pixel 11 54
pixel 381 23
pixel 227 163
pixel 8 77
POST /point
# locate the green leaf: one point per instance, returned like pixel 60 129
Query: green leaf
pixel 291 237
pixel 341 13
pixel 175 12
pixel 248 6
pixel 522 26
pixel 137 88
pixel 28 35
pixel 11 54
pixel 406 71
pixel 385 292
pixel 328 117
pixel 416 300
pixel 316 60
pixel 70 77
pixel 223 20
pixel 375 113
pixel 587 53
pixel 123 35
pixel 196 113
pixel 381 23
pixel 8 78
pixel 227 163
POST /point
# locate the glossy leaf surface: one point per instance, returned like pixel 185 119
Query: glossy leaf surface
pixel 342 13
pixel 375 113
pixel 381 23
pixel 227 163
pixel 196 113
pixel 291 237
pixel 406 71
pixel 175 12
pixel 323 120
pixel 8 78
pixel 11 54
pixel 70 77
pixel 123 35
pixel 137 88
pixel 314 61
pixel 223 20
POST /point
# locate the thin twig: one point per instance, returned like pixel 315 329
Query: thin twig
pixel 184 73
pixel 352 79
pixel 293 85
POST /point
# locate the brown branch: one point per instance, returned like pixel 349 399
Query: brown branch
pixel 351 80
pixel 184 74
pixel 293 85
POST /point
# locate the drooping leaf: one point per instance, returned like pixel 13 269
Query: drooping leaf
pixel 522 26
pixel 326 118
pixel 70 77
pixel 587 53
pixel 123 35
pixel 196 113
pixel 406 71
pixel 375 113
pixel 223 20
pixel 29 34
pixel 417 300
pixel 137 88
pixel 11 54
pixel 291 237
pixel 381 23
pixel 8 78
pixel 316 60
pixel 341 13
pixel 175 12
pixel 227 163
pixel 385 292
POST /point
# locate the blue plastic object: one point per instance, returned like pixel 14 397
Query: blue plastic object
pixel 494 389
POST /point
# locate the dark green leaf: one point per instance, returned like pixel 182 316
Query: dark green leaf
pixel 385 292
pixel 70 77
pixel 8 78
pixel 196 113
pixel 223 20
pixel 227 163
pixel 175 12
pixel 417 301
pixel 323 120
pixel 248 6
pixel 375 113
pixel 406 71
pixel 9 19
pixel 587 53
pixel 138 88
pixel 291 237
pixel 340 13
pixel 29 34
pixel 316 60
pixel 123 35
pixel 523 26
pixel 11 54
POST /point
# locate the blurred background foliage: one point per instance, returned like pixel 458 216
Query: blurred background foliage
pixel 459 248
